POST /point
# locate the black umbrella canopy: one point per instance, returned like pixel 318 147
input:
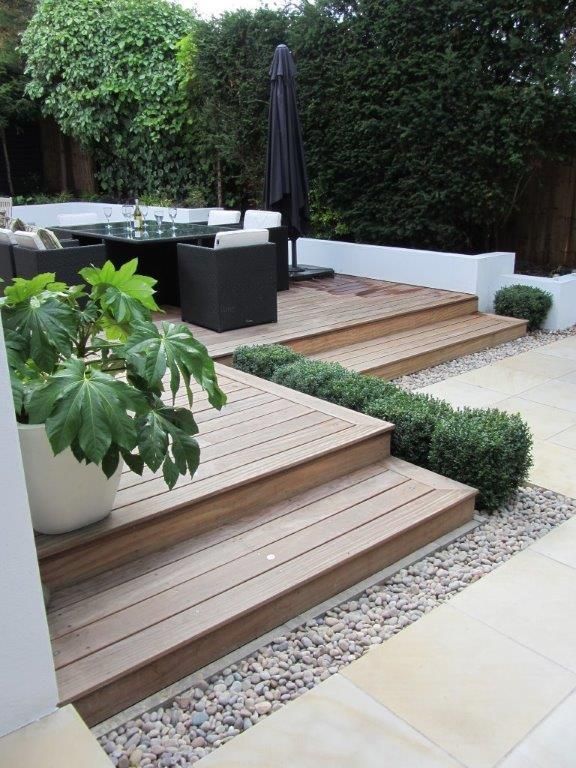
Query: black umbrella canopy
pixel 286 182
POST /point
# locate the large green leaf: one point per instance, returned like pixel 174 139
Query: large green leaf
pixel 91 409
pixel 152 351
pixel 121 290
pixel 47 325
pixel 22 289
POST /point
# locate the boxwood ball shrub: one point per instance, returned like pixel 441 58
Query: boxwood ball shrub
pixel 415 418
pixel 488 450
pixel 262 360
pixel 525 302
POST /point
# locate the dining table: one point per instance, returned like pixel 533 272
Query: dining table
pixel 155 248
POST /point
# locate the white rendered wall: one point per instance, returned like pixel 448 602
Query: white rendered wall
pixel 46 215
pixel 477 274
pixel 563 289
pixel 27 679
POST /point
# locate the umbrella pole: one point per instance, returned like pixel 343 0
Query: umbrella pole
pixel 294 255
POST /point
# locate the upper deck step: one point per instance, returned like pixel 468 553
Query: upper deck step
pixel 412 350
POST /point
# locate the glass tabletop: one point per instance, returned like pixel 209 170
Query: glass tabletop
pixel 151 233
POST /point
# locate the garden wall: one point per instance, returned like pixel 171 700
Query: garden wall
pixel 478 274
pixel 46 215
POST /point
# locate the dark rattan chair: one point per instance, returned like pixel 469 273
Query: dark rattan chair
pixel 228 288
pixel 64 262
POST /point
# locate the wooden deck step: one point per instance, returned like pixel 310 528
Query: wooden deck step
pixel 315 315
pixel 130 631
pixel 266 444
pixel 413 350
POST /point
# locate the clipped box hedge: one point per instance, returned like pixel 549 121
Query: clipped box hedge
pixel 525 302
pixel 486 449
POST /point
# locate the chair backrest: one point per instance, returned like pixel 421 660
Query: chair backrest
pixel 6 207
pixel 259 219
pixel 7 236
pixel 29 240
pixel 69 219
pixel 240 237
pixel 223 217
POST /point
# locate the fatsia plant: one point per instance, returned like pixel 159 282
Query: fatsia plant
pixel 89 362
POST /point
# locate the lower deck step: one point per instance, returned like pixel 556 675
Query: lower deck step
pixel 405 352
pixel 127 633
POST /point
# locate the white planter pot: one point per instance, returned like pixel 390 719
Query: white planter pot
pixel 63 493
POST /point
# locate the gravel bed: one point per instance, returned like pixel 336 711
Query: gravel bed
pixel 217 709
pixel 479 359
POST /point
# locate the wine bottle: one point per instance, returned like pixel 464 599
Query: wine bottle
pixel 138 218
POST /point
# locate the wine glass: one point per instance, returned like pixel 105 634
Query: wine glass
pixel 144 209
pixel 127 213
pixel 108 214
pixel 173 212
pixel 159 216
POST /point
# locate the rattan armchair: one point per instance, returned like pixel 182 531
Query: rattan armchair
pixel 223 288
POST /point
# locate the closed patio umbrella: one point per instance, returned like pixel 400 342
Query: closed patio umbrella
pixel 286 181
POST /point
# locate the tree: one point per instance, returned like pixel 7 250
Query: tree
pixel 424 120
pixel 106 71
pixel 15 107
pixel 226 63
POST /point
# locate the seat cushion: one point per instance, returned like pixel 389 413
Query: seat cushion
pixel 257 219
pixel 7 236
pixel 30 240
pixel 223 217
pixel 240 237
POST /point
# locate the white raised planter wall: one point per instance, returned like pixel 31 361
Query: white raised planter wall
pixel 27 679
pixel 477 274
pixel 563 289
pixel 47 215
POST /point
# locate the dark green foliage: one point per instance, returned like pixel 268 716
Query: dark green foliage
pixel 107 72
pixel 263 360
pixel 313 377
pixel 225 62
pixel 423 121
pixel 524 301
pixel 486 449
pixel 415 418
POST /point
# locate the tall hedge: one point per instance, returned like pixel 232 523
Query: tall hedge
pixel 424 120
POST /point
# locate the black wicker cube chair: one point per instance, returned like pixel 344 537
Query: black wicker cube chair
pixel 64 262
pixel 229 286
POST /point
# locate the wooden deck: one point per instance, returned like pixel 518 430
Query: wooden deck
pixel 295 499
pixel 127 633
pixel 321 314
pixel 266 442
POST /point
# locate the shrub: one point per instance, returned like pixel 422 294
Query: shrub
pixel 486 449
pixel 523 301
pixel 314 377
pixel 415 418
pixel 264 359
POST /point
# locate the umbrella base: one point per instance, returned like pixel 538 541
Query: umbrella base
pixel 308 272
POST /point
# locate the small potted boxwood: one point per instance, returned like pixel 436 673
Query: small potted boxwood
pixel 88 368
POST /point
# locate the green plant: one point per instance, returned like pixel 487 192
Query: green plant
pixel 106 71
pixel 524 301
pixel 486 449
pixel 415 418
pixel 90 364
pixel 264 359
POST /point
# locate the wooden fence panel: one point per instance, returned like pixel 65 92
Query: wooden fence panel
pixel 543 231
